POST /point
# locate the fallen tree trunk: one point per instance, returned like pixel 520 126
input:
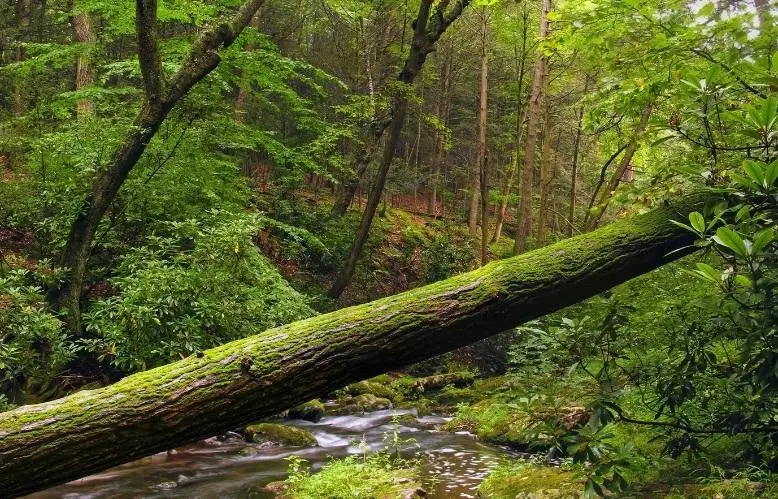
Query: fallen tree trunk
pixel 250 379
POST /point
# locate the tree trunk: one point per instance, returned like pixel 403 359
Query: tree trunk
pixel 85 76
pixel 546 177
pixel 524 219
pixel 574 170
pixel 161 97
pixel 442 111
pixel 601 181
pixel 483 160
pixel 429 27
pixel 18 97
pixel 348 187
pixel 615 180
pixel 475 190
pixel 502 208
pixel 372 140
pixel 766 30
pixel 506 192
pixel 256 377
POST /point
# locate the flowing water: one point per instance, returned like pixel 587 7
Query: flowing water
pixel 453 465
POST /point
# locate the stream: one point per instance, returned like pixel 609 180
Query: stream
pixel 452 465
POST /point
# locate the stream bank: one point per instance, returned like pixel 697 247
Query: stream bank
pixel 452 465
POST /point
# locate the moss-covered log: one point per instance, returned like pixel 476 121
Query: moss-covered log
pixel 246 380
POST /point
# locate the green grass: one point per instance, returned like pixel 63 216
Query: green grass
pixel 375 476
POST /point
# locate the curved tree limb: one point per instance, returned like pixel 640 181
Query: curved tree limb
pixel 160 99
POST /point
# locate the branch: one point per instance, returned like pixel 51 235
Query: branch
pixel 603 174
pixel 708 57
pixel 203 57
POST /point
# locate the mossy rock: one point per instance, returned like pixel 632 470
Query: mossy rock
pixel 423 407
pixel 415 388
pixel 493 385
pixel 370 387
pixel 452 396
pixel 278 434
pixel 407 419
pixel 516 425
pixel 530 481
pixel 361 403
pixel 311 411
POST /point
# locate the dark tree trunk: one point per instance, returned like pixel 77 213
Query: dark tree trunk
pixel 366 153
pixel 256 377
pixel 429 27
pixel 546 177
pixel 442 111
pixel 574 171
pixel 483 157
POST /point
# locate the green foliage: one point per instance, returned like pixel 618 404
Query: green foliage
pixel 530 479
pixel 32 342
pixel 376 475
pixel 446 255
pixel 204 284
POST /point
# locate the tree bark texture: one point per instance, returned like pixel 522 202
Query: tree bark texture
pixel 84 34
pixel 524 218
pixel 546 177
pixel 574 170
pixel 259 376
pixel 483 115
pixel 442 112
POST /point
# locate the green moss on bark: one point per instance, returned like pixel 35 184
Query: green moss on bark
pixel 262 375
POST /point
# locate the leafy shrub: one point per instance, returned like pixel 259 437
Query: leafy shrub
pixel 32 341
pixel 204 285
pixel 443 257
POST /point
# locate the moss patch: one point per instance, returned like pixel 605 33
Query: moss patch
pixel 361 403
pixel 310 411
pixel 377 476
pixel 452 396
pixel 271 433
pixel 531 481
pixel 373 387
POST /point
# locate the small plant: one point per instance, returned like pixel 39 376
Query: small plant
pixel 394 443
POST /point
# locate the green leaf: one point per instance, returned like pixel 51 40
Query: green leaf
pixel 683 226
pixel 771 174
pixel 706 10
pixel 707 273
pixel 768 112
pixel 743 281
pixel 697 221
pixel 762 239
pixel 732 240
pixel 754 171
